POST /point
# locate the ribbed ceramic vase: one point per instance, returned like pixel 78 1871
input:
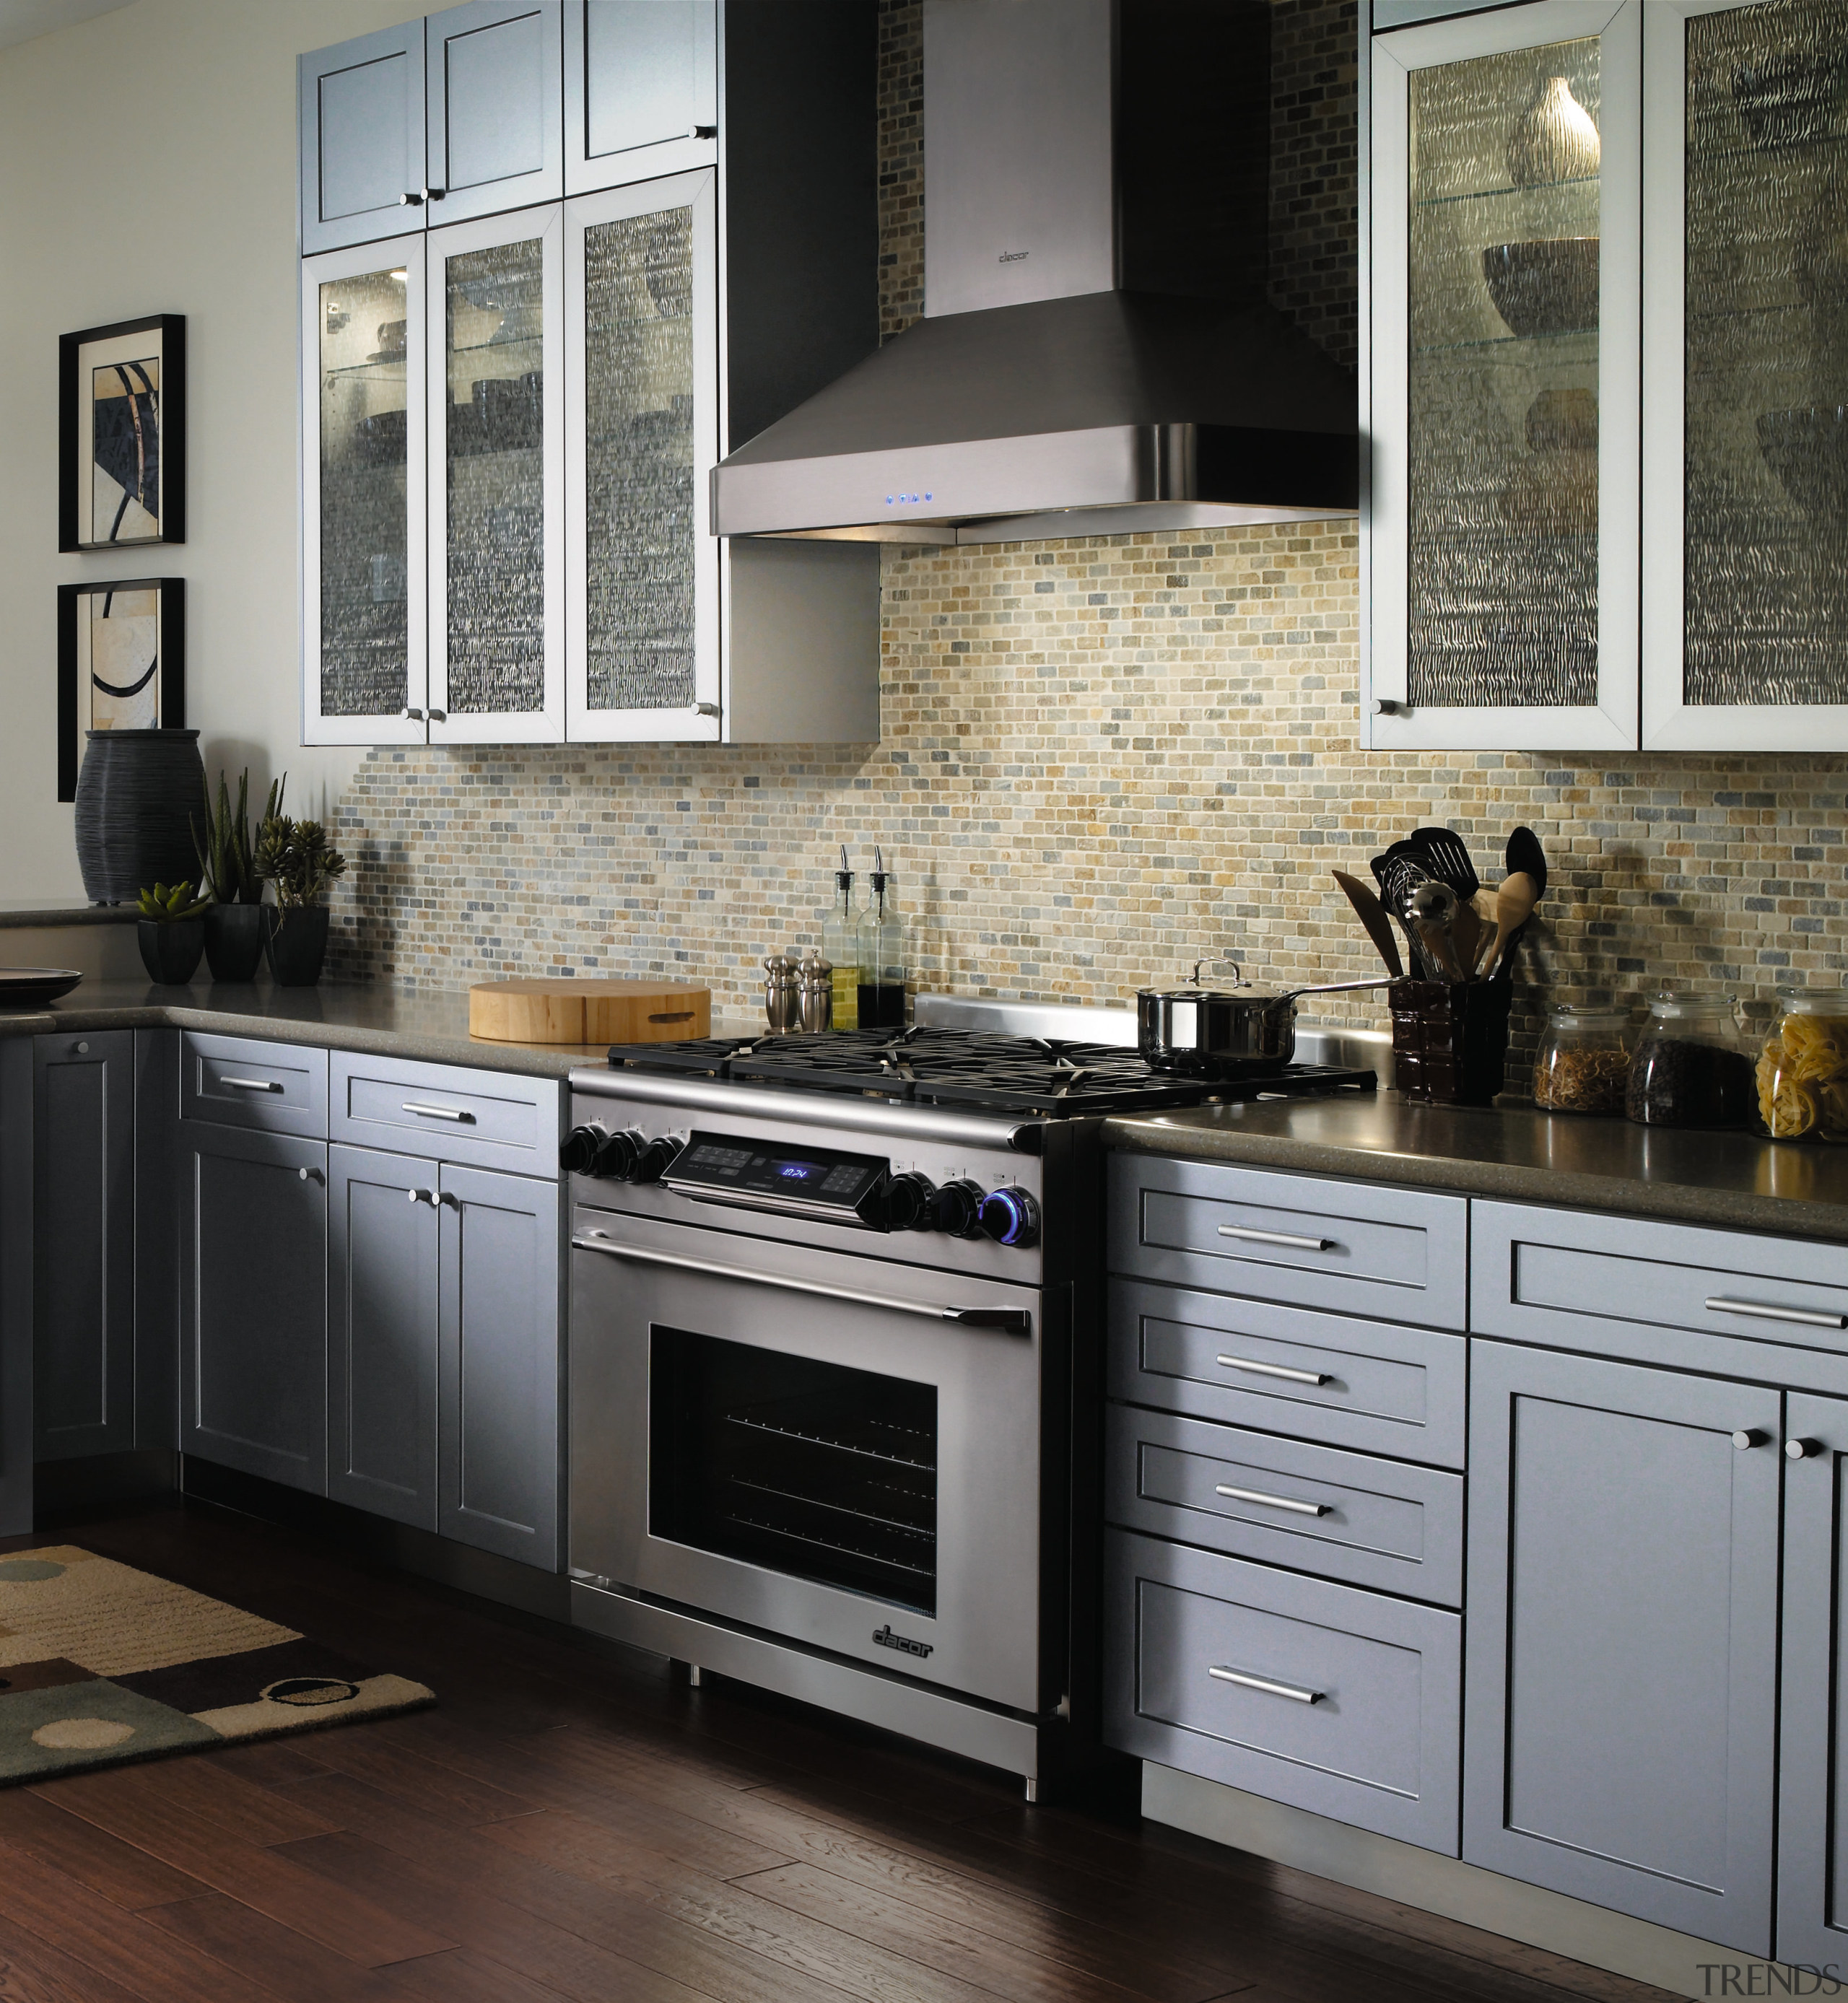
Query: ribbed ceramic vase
pixel 1555 139
pixel 137 795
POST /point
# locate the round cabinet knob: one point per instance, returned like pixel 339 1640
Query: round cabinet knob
pixel 654 1159
pixel 1801 1449
pixel 1749 1436
pixel 1010 1216
pixel 578 1154
pixel 908 1202
pixel 410 199
pixel 957 1208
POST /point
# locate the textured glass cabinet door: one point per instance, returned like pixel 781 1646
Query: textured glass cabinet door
pixel 363 462
pixel 1745 506
pixel 640 440
pixel 496 480
pixel 1504 301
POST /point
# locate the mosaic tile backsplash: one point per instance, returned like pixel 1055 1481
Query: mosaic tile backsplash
pixel 1102 760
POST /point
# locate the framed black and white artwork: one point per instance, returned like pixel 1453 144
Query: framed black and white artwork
pixel 121 663
pixel 121 396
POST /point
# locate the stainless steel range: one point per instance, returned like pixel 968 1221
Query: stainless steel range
pixel 835 1306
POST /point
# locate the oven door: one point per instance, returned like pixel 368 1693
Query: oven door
pixel 837 1451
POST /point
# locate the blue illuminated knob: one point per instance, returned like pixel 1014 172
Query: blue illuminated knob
pixel 1010 1216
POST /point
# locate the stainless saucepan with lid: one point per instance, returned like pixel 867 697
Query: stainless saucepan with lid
pixel 1192 1030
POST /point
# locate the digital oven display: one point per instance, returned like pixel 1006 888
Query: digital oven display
pixel 810 1182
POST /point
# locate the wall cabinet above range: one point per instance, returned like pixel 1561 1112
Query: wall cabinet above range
pixel 509 422
pixel 1608 362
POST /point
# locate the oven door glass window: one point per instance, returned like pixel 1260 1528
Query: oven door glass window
pixel 806 1468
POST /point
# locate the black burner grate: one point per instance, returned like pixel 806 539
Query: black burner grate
pixel 994 1073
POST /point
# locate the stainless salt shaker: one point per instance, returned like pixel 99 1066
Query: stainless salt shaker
pixel 815 991
pixel 781 1006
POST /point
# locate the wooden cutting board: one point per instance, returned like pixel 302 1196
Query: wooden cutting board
pixel 588 1012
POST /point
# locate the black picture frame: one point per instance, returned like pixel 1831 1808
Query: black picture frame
pixel 81 357
pixel 167 673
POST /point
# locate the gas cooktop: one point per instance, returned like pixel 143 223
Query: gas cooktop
pixel 1020 1075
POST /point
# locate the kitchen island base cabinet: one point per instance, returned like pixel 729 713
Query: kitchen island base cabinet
pixel 83 1244
pixel 443 1388
pixel 254 1302
pixel 1342 1702
pixel 1620 1743
pixel 1812 1846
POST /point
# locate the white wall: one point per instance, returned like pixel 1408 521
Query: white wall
pixel 148 165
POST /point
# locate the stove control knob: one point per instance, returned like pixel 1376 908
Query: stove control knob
pixel 908 1202
pixel 957 1208
pixel 577 1154
pixel 654 1159
pixel 1010 1216
pixel 616 1155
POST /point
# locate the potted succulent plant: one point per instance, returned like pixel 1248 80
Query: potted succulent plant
pixel 228 866
pixel 296 856
pixel 170 932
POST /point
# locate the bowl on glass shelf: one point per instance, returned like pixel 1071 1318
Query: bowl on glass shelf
pixel 1807 449
pixel 1547 285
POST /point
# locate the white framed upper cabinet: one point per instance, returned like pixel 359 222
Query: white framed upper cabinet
pixel 1500 380
pixel 495 452
pixel 1745 375
pixel 642 568
pixel 493 131
pixel 360 106
pixel 641 90
pixel 363 413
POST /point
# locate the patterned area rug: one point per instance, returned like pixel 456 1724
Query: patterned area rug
pixel 101 1664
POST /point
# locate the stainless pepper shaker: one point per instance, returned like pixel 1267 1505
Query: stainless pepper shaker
pixel 815 991
pixel 782 1009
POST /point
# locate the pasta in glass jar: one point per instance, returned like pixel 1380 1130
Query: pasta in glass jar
pixel 1803 1069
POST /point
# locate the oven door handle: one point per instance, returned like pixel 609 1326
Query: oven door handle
pixel 1015 1321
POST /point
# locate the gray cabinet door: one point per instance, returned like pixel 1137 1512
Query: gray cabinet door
pixel 1812 1845
pixel 254 1302
pixel 494 89
pixel 382 1333
pixel 500 1384
pixel 641 90
pixel 362 132
pixel 83 1244
pixel 1620 1729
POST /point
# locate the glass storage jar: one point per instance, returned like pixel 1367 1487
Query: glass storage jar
pixel 1584 1059
pixel 1803 1069
pixel 1689 1069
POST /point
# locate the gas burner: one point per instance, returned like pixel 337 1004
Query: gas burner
pixel 1023 1076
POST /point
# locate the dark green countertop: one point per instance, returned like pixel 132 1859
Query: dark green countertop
pixel 1732 1180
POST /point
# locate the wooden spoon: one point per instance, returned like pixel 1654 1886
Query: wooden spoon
pixel 1372 914
pixel 1514 903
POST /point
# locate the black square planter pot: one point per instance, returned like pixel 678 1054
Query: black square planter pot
pixel 295 942
pixel 170 952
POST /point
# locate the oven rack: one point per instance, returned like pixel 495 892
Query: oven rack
pixel 896 1525
pixel 840 1441
pixel 836 1547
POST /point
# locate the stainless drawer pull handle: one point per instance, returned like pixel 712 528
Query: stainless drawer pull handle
pixel 1271 1502
pixel 1764 1311
pixel 1244 1233
pixel 440 1112
pixel 252 1084
pixel 1264 1683
pixel 1016 1321
pixel 1271 1369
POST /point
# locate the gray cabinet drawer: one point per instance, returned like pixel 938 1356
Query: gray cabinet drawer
pixel 1341 1702
pixel 270 1088
pixel 1344 1516
pixel 1675 1293
pixel 1400 1254
pixel 1331 1377
pixel 480 1119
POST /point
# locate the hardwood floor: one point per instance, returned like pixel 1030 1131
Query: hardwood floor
pixel 571 1822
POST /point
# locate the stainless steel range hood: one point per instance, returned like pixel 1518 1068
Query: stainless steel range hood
pixel 1096 354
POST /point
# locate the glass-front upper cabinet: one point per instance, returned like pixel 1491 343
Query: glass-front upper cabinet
pixel 641 439
pixel 495 342
pixel 362 466
pixel 1745 499
pixel 1501 377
